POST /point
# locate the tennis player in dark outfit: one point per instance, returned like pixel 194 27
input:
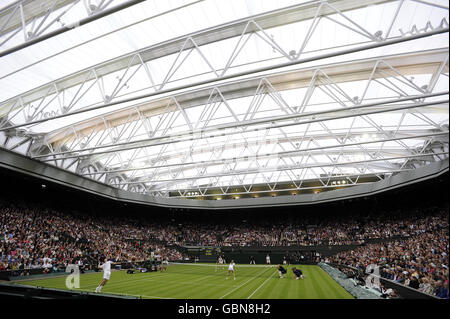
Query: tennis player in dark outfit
pixel 297 273
pixel 281 270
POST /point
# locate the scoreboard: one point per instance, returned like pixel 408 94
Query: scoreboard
pixel 204 251
pixel 211 251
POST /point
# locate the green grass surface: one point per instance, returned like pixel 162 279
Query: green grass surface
pixel 206 282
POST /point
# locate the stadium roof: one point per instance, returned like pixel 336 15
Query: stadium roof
pixel 214 99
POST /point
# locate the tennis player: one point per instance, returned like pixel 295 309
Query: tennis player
pixel 164 263
pixel 106 266
pixel 281 271
pixel 231 268
pixel 298 274
pixel 220 262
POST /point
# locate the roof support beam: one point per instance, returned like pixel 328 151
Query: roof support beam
pixel 201 133
pixel 104 104
pixel 338 148
pixel 276 169
pixel 31 41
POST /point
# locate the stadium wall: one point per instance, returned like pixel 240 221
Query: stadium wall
pixel 241 255
pixel 260 258
pixel 17 291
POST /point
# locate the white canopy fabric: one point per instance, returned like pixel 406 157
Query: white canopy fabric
pixel 197 76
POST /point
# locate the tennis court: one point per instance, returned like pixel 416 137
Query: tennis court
pixel 206 281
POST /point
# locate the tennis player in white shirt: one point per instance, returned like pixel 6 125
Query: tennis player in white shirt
pixel 106 266
pixel 231 269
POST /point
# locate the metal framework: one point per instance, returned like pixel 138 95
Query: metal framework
pixel 27 22
pixel 134 74
pixel 211 130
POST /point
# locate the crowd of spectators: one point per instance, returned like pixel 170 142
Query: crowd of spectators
pixel 36 238
pixel 409 249
pixel 419 262
pixel 306 231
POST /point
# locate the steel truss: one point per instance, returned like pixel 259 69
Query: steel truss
pixel 279 129
pixel 135 73
pixel 91 147
pixel 27 22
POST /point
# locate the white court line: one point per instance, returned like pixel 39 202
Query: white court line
pixel 56 276
pixel 156 297
pixel 165 275
pixel 252 278
pixel 122 282
pixel 126 283
pixel 65 274
pixel 155 278
pixel 115 283
pixel 259 287
pixel 220 265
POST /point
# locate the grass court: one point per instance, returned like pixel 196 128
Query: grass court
pixel 206 281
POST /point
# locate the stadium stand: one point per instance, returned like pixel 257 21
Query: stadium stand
pixel 409 245
pixel 207 149
pixel 419 262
